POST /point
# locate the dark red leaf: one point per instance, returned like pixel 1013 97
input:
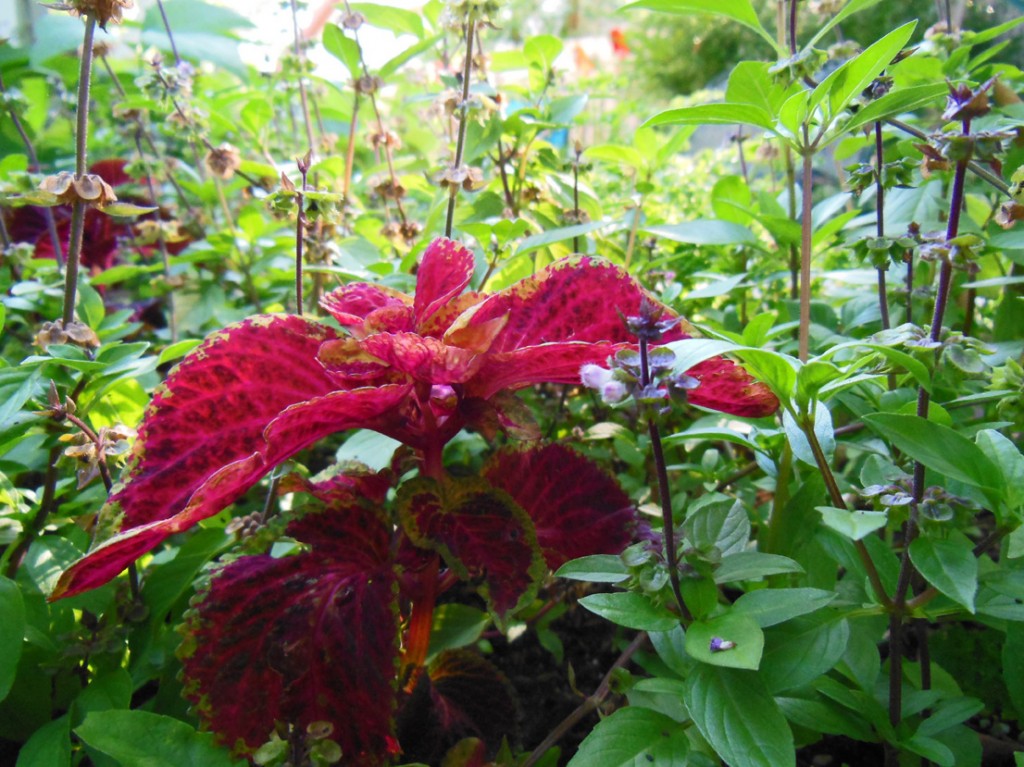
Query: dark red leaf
pixel 547 363
pixel 577 508
pixel 443 273
pixel 461 695
pixel 481 533
pixel 424 358
pixel 301 639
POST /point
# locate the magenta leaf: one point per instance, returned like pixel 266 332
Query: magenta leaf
pixel 301 639
pixel 576 299
pixel 728 388
pixel 577 508
pixel 443 273
pixel 481 533
pixel 214 406
pixel 352 304
pixel 424 358
pixel 460 695
pixel 295 428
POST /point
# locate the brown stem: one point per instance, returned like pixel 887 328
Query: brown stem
pixel 588 705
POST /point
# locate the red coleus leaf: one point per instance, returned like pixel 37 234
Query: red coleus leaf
pixel 727 388
pixel 444 273
pixel 243 402
pixel 460 695
pixel 576 507
pixel 301 639
pixel 481 533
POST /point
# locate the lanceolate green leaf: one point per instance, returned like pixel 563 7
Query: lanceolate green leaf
pixel 631 610
pixel 732 640
pixel 736 715
pixel 633 736
pixel 949 565
pixel 714 114
pixel 897 102
pixel 703 232
pixel 741 11
pixel 850 79
pixel 343 48
pixel 12 632
pixel 854 6
pixel 144 739
pixel 940 448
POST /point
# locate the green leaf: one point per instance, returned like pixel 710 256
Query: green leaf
pixel 596 568
pixel 802 650
pixel 631 610
pixel 719 521
pixel 551 236
pixel 854 6
pixel 854 76
pixel 393 64
pixel 542 50
pixel 90 305
pixel 714 114
pixel 12 632
pixel 143 739
pixel 743 637
pixel 773 606
pixel 940 448
pixel 344 49
pixel 751 84
pixel 455 626
pixel 896 102
pixel 741 11
pixel 1013 664
pixel 754 565
pixel 736 715
pixel 1008 459
pixel 126 209
pixel 948 565
pixel 3 316
pixel 615 153
pixel 178 350
pixel 853 524
pixel 398 20
pixel 49 746
pixel 703 232
pixel 633 736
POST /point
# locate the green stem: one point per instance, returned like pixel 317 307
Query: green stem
pixel 805 253
pixel 460 143
pixel 81 146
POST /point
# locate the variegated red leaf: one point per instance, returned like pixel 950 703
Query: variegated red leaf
pixel 295 428
pixel 481 533
pixel 578 509
pixel 460 695
pixel 444 272
pixel 301 639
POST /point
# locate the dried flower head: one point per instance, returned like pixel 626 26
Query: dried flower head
pixel 77 333
pixel 465 176
pixel 223 161
pixel 90 189
pixel 111 442
pixel 368 84
pixel 352 20
pixel 388 189
pixel 104 11
pixel 385 138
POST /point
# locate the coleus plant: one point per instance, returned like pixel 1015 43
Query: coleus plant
pixel 339 632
